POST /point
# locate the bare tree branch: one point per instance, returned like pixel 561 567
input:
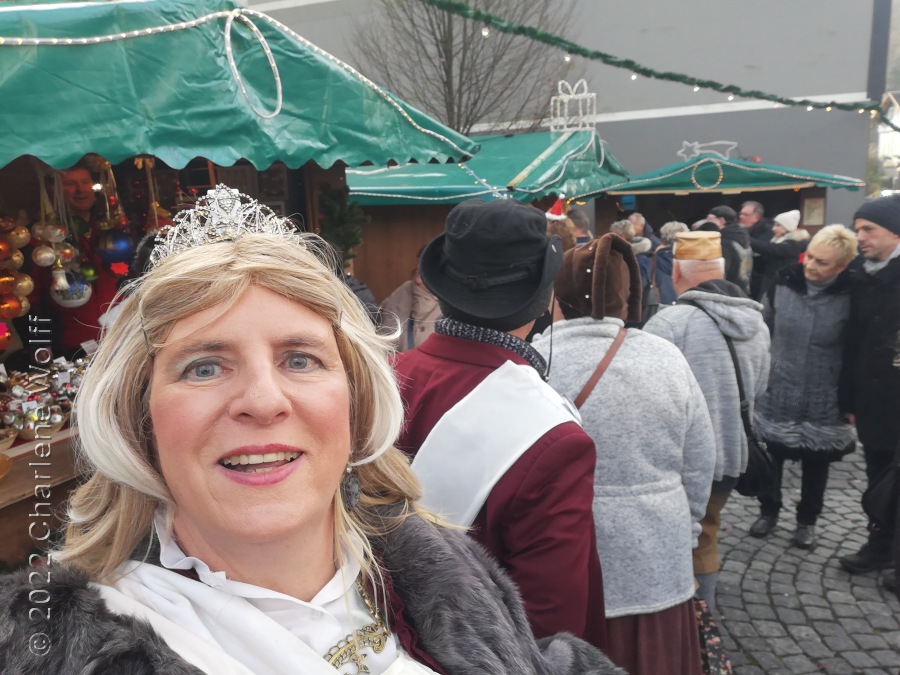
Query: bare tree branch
pixel 443 64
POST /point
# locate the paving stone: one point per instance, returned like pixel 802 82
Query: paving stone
pixel 800 664
pixel 786 611
pixel 791 616
pixel 815 649
pixel 886 657
pixel 870 642
pixel 839 643
pixel 761 612
pixel 770 629
pixel 860 659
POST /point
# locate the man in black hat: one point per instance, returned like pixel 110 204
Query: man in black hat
pixel 871 391
pixel 496 448
pixel 735 245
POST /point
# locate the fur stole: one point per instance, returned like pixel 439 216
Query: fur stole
pixel 466 612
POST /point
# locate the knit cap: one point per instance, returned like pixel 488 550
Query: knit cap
pixel 789 220
pixel 884 211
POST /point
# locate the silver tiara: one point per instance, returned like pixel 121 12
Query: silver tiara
pixel 224 214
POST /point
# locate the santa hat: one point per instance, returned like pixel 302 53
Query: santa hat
pixel 558 210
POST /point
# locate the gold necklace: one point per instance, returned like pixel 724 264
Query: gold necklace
pixel 373 635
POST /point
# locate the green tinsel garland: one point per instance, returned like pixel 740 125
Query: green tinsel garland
pixel 464 10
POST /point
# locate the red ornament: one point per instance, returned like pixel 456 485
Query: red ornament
pixel 757 159
pixel 122 221
pixel 10 306
pixel 113 201
pixel 5 336
pixel 6 249
pixel 8 281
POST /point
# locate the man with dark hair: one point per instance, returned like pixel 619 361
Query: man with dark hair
pixel 582 224
pixel 871 396
pixel 496 448
pixel 750 217
pixel 735 245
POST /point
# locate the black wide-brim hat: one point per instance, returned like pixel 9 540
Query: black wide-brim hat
pixel 494 260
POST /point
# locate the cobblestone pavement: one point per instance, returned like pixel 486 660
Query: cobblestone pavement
pixel 785 610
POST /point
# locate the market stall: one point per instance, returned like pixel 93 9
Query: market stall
pixel 687 190
pixel 407 204
pixel 178 94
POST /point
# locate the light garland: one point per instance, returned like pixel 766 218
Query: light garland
pixel 572 48
pixel 240 13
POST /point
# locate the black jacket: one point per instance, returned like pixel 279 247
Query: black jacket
pixel 873 383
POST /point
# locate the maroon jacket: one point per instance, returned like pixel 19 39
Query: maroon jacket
pixel 537 521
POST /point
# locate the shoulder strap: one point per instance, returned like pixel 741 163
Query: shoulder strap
pixel 653 268
pixel 601 368
pixel 745 405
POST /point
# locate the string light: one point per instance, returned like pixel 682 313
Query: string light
pixel 485 31
pixel 634 76
pixel 809 108
pixel 464 10
pixel 567 58
pixel 730 97
pixel 828 108
pixel 696 88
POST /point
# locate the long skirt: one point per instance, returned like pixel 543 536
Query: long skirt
pixel 664 643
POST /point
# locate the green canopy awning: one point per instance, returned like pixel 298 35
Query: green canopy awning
pixel 712 173
pixel 526 167
pixel 180 79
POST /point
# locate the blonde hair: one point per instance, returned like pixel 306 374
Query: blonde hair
pixel 838 237
pixel 112 512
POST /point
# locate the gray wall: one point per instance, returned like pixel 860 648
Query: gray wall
pixel 801 48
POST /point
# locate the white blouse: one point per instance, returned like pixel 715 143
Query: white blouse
pixel 248 628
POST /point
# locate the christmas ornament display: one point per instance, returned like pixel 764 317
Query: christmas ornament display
pixel 10 306
pixel 114 246
pixel 8 281
pixel 24 285
pixel 38 403
pixel 75 293
pixel 43 256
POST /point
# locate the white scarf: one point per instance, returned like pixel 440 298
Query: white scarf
pixel 228 627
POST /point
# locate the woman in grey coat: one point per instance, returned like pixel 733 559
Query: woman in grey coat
pixel 807 309
pixel 656 453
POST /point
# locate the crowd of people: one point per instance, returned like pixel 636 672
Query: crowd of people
pixel 455 491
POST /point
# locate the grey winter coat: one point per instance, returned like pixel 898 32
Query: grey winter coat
pixel 655 458
pixel 701 342
pixel 799 409
pixel 466 612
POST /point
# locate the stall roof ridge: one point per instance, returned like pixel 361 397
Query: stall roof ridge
pixel 527 167
pixel 185 78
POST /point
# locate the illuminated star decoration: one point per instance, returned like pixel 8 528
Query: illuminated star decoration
pixel 721 148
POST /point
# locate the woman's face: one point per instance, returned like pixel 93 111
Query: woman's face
pixel 822 263
pixel 778 230
pixel 251 420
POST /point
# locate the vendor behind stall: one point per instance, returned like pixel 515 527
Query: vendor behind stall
pixel 73 318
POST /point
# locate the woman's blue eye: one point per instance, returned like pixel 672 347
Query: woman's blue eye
pixel 299 362
pixel 202 371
